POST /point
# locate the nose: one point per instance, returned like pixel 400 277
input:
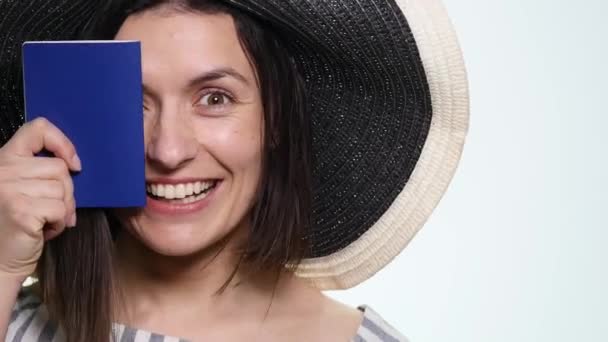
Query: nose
pixel 172 142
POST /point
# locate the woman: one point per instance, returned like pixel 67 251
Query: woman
pixel 290 147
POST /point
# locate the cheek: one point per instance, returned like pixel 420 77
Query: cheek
pixel 235 144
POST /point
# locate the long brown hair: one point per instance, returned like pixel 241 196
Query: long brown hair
pixel 75 271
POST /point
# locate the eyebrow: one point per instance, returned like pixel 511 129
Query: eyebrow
pixel 208 76
pixel 218 73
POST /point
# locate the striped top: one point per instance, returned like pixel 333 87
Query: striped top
pixel 30 322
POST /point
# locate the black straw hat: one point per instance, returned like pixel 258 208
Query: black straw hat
pixel 389 102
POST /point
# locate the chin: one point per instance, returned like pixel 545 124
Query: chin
pixel 176 240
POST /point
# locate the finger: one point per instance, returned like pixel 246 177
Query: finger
pixel 68 200
pixel 49 210
pixel 51 213
pixel 37 168
pixel 36 188
pixel 41 134
pixel 42 168
pixel 52 231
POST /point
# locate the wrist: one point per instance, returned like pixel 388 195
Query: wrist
pixel 12 280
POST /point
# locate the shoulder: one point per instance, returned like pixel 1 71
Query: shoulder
pixel 374 328
pixel 339 319
pixel 367 323
pixel 29 319
pixel 327 319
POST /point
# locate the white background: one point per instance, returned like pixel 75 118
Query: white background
pixel 517 250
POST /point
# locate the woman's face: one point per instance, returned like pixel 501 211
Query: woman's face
pixel 203 129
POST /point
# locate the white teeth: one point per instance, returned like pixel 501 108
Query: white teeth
pixel 192 199
pixel 169 192
pixel 180 191
pixel 183 191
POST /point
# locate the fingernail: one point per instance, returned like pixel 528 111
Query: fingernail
pixel 72 221
pixel 76 161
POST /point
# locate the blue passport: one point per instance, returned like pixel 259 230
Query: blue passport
pixel 92 91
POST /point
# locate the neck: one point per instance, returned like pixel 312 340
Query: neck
pixel 148 281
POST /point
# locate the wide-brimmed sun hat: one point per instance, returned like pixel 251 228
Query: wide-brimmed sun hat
pixel 389 108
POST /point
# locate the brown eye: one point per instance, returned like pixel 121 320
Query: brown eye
pixel 215 99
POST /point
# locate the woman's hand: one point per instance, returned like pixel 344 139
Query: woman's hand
pixel 36 194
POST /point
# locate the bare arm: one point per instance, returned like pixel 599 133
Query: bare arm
pixel 9 288
pixel 36 203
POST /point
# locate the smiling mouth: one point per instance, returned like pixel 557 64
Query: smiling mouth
pixel 181 193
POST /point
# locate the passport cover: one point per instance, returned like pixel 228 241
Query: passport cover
pixel 92 91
